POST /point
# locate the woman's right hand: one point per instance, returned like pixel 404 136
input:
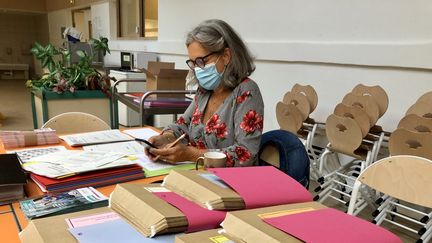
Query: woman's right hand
pixel 160 141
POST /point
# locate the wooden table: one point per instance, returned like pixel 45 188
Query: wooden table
pixel 12 219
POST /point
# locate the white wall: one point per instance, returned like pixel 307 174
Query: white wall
pixel 330 44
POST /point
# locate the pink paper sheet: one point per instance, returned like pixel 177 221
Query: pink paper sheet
pixel 263 186
pixel 331 225
pixel 198 217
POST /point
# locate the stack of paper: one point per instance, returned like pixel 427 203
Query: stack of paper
pixel 71 201
pixel 302 222
pixel 237 188
pixel 70 162
pixel 249 225
pixel 205 189
pixel 13 139
pixel 155 210
pixel 108 136
pixel 95 179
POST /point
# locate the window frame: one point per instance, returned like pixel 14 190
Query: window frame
pixel 141 34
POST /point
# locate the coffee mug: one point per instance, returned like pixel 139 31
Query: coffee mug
pixel 211 160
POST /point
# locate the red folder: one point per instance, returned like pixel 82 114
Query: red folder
pixel 198 217
pixel 96 178
pixel 331 225
pixel 263 186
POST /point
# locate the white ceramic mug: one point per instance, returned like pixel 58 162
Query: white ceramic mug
pixel 211 160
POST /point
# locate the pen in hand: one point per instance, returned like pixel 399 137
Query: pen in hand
pixel 172 144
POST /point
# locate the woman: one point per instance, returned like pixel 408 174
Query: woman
pixel 227 111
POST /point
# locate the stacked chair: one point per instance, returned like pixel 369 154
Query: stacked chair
pixel 293 115
pixel 413 136
pixel 352 132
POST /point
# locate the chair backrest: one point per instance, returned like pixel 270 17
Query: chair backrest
pixel 405 142
pixel 404 177
pixel 289 117
pixel 377 93
pixel 365 102
pixel 76 122
pixel 309 92
pixel 300 101
pixel 356 113
pixel 280 147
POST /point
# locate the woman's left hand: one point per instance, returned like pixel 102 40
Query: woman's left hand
pixel 179 153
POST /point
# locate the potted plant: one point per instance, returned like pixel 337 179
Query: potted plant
pixel 69 82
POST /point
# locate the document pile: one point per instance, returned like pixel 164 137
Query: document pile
pixel 154 210
pixel 302 222
pixel 66 202
pixel 70 162
pixel 14 139
pixel 88 138
pixel 237 188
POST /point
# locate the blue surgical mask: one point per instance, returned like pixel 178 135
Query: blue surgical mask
pixel 208 77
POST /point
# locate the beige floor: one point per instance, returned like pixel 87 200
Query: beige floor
pixel 15 105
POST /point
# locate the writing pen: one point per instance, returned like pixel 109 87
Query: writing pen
pixel 146 142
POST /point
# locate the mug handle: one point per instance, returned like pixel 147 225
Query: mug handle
pixel 200 159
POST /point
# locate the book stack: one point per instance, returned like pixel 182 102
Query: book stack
pixel 12 178
pixel 148 213
pixel 66 202
pixel 237 188
pixel 205 189
pixel 14 139
pixel 94 179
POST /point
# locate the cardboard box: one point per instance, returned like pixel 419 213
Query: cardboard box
pixel 145 211
pixel 163 76
pixel 54 229
pixel 193 186
pixel 206 236
pixel 248 226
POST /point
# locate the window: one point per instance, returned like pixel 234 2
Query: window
pixel 137 18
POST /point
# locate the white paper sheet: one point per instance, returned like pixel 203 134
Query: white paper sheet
pixel 143 133
pixel 26 155
pixel 129 148
pixel 75 161
pixel 108 136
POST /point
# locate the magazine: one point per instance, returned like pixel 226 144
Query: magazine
pixel 66 202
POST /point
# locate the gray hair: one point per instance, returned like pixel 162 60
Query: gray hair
pixel 215 35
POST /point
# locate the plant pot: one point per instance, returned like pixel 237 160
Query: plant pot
pixel 47 104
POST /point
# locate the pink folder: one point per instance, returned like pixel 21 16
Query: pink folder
pixel 331 225
pixel 263 186
pixel 198 217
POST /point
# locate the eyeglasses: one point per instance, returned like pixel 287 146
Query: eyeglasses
pixel 199 61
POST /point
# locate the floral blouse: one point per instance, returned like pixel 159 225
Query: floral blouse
pixel 235 128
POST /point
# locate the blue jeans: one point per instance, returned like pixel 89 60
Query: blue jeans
pixel 294 159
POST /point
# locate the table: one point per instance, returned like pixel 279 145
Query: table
pixel 144 112
pixel 12 219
